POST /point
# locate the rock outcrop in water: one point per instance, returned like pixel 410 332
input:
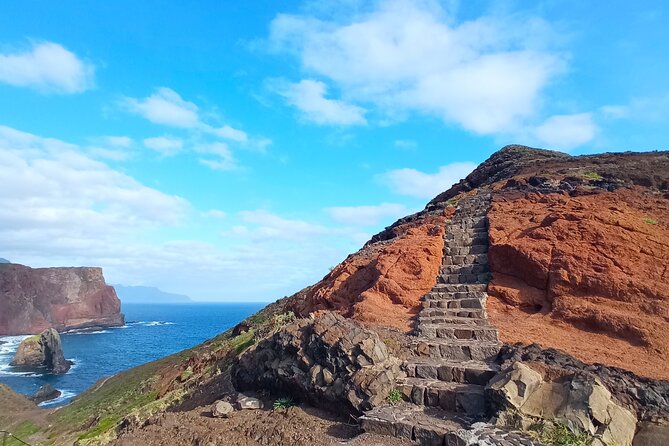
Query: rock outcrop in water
pixel 34 299
pixel 43 350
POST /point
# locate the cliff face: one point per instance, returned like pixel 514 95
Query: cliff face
pixel 33 300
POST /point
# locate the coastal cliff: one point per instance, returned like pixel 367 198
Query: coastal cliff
pixel 35 299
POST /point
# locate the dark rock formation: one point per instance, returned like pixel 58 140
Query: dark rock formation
pixel 331 361
pixel 43 350
pixel 32 300
pixel 45 393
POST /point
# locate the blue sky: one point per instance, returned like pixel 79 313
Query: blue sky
pixel 236 150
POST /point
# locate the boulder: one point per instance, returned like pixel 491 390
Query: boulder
pixel 330 361
pixel 578 400
pixel 222 409
pixel 45 393
pixel 43 350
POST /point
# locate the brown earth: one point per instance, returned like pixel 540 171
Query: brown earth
pixel 304 425
pixel 382 284
pixel 584 274
pixel 35 299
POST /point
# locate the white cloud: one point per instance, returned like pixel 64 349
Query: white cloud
pixel 47 67
pixel 309 97
pixel 222 156
pixel 273 226
pixel 165 145
pixel 566 131
pixel 165 107
pixel 228 132
pixel 366 215
pixel 426 185
pixel 59 197
pixel 486 74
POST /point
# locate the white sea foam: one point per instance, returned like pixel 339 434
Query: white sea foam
pixel 157 323
pixel 64 395
pixel 7 351
pixel 88 332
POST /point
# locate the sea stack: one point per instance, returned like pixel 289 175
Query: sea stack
pixel 43 350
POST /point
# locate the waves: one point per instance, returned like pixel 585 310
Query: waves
pixel 150 323
pixel 7 350
pixel 65 395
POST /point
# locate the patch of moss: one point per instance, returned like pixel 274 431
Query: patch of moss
pixel 394 396
pixel 650 221
pixel 33 339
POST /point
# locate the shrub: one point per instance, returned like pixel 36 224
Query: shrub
pixel 283 403
pixel 592 175
pixel 560 435
pixel 394 396
pixel 650 221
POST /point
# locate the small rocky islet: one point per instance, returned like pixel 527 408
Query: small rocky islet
pixel 524 306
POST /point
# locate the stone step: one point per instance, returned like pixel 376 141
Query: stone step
pixel 471 259
pixel 464 278
pixel 460 331
pixel 460 350
pixel 450 295
pixel 453 312
pixel 464 269
pixel 454 230
pixel 451 396
pixel 465 250
pixel 468 303
pixel 465 240
pixel 466 372
pixel 428 426
pixel 452 320
pixel 459 287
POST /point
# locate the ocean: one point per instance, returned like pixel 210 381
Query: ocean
pixel 152 331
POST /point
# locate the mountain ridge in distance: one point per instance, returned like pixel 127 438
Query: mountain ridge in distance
pixel 147 294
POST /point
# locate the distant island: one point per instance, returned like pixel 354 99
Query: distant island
pixel 147 294
pixel 4 260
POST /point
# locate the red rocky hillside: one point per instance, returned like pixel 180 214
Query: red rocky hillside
pixel 579 255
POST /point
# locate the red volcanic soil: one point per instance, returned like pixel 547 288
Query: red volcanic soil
pixel 587 274
pixel 383 282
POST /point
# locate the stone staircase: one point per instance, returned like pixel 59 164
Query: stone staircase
pixel 455 348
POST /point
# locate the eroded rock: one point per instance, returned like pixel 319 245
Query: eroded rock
pixel 329 361
pixel 43 350
pixel 579 400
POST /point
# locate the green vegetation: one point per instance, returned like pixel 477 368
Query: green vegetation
pixel 559 435
pixel 100 409
pixel 283 403
pixel 33 339
pixel 394 396
pixel 186 374
pixel 590 175
pixel 22 431
pixel 452 202
pixel 650 221
pixel 243 341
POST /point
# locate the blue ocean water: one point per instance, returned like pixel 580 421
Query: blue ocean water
pixel 152 331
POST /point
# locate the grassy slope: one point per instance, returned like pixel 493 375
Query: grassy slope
pixel 135 394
